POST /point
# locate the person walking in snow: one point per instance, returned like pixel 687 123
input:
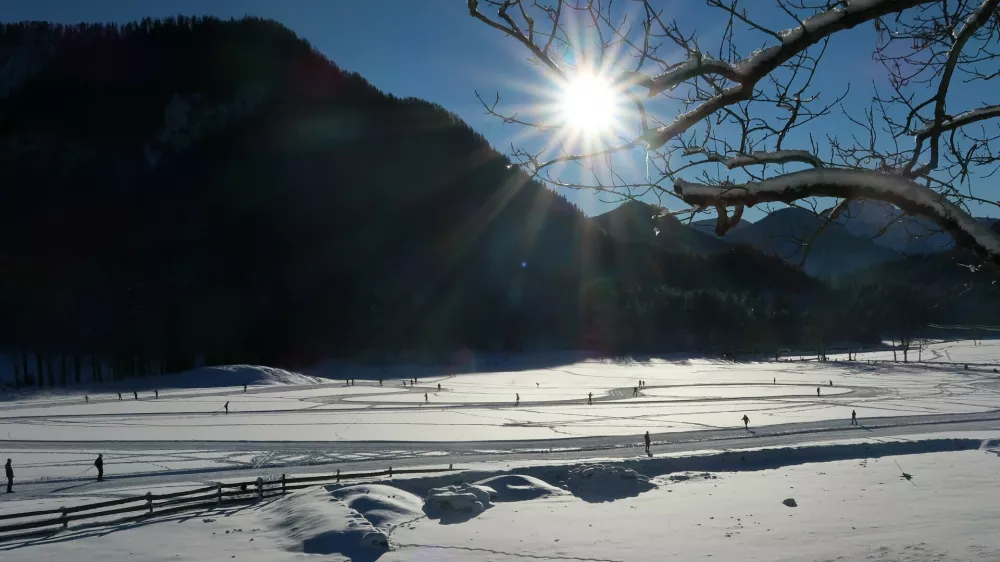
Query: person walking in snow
pixel 647 442
pixel 635 391
pixel 10 477
pixel 157 393
pixel 226 406
pixel 831 383
pixel 119 396
pixel 244 388
pixel 746 422
pixel 854 417
pixel 517 399
pixel 439 387
pixel 99 463
pixel 590 398
pixel 817 392
pixel 86 398
pixel 380 381
pixel 426 400
pixel 135 395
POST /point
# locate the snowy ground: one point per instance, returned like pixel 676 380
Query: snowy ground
pixel 290 420
pixel 857 509
pixel 710 488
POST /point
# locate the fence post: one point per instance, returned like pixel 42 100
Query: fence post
pixel 219 491
pixel 260 488
pixel 65 522
pixel 282 484
pixel 149 501
pixel 338 475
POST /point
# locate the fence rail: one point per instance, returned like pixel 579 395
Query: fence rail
pixel 204 497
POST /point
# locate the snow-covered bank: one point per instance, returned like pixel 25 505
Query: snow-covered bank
pixel 859 509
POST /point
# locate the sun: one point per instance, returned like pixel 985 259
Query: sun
pixel 589 104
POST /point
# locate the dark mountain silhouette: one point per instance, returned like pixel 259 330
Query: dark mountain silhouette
pixel 639 222
pixel 707 226
pixel 834 252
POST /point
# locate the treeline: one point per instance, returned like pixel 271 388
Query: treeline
pixel 195 191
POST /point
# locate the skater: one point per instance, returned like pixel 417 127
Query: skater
pixel 426 400
pixel 119 396
pixel 817 392
pixel 746 422
pixel 854 417
pixel 647 442
pixel 10 477
pixel 226 406
pixel 99 463
pixel 135 395
pixel 517 400
pixel 157 393
pixel 590 398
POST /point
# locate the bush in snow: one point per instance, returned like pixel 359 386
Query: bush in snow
pixel 603 482
pixel 463 501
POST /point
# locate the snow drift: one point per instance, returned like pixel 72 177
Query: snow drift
pixel 518 487
pixel 313 521
pixel 382 506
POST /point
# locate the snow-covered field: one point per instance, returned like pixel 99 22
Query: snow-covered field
pixel 531 412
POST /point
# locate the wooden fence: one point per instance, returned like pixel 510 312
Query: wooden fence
pixel 173 502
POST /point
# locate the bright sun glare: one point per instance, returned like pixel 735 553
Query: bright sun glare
pixel 589 104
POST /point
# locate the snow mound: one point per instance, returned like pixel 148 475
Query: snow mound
pixel 604 482
pixel 314 522
pixel 518 487
pixel 234 375
pixel 458 503
pixel 382 506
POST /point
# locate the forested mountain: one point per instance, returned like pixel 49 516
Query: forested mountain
pixel 195 188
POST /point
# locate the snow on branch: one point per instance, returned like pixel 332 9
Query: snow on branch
pixel 962 119
pixel 909 196
pixel 691 68
pixel 761 63
pixel 775 157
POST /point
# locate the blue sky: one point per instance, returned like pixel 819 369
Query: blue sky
pixel 431 49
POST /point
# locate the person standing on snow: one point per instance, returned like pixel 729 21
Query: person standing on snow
pixel 517 400
pixel 99 463
pixel 590 398
pixel 86 398
pixel 135 395
pixel 647 442
pixel 746 422
pixel 226 406
pixel 854 417
pixel 119 396
pixel 426 400
pixel 635 391
pixel 157 392
pixel 817 392
pixel 10 477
